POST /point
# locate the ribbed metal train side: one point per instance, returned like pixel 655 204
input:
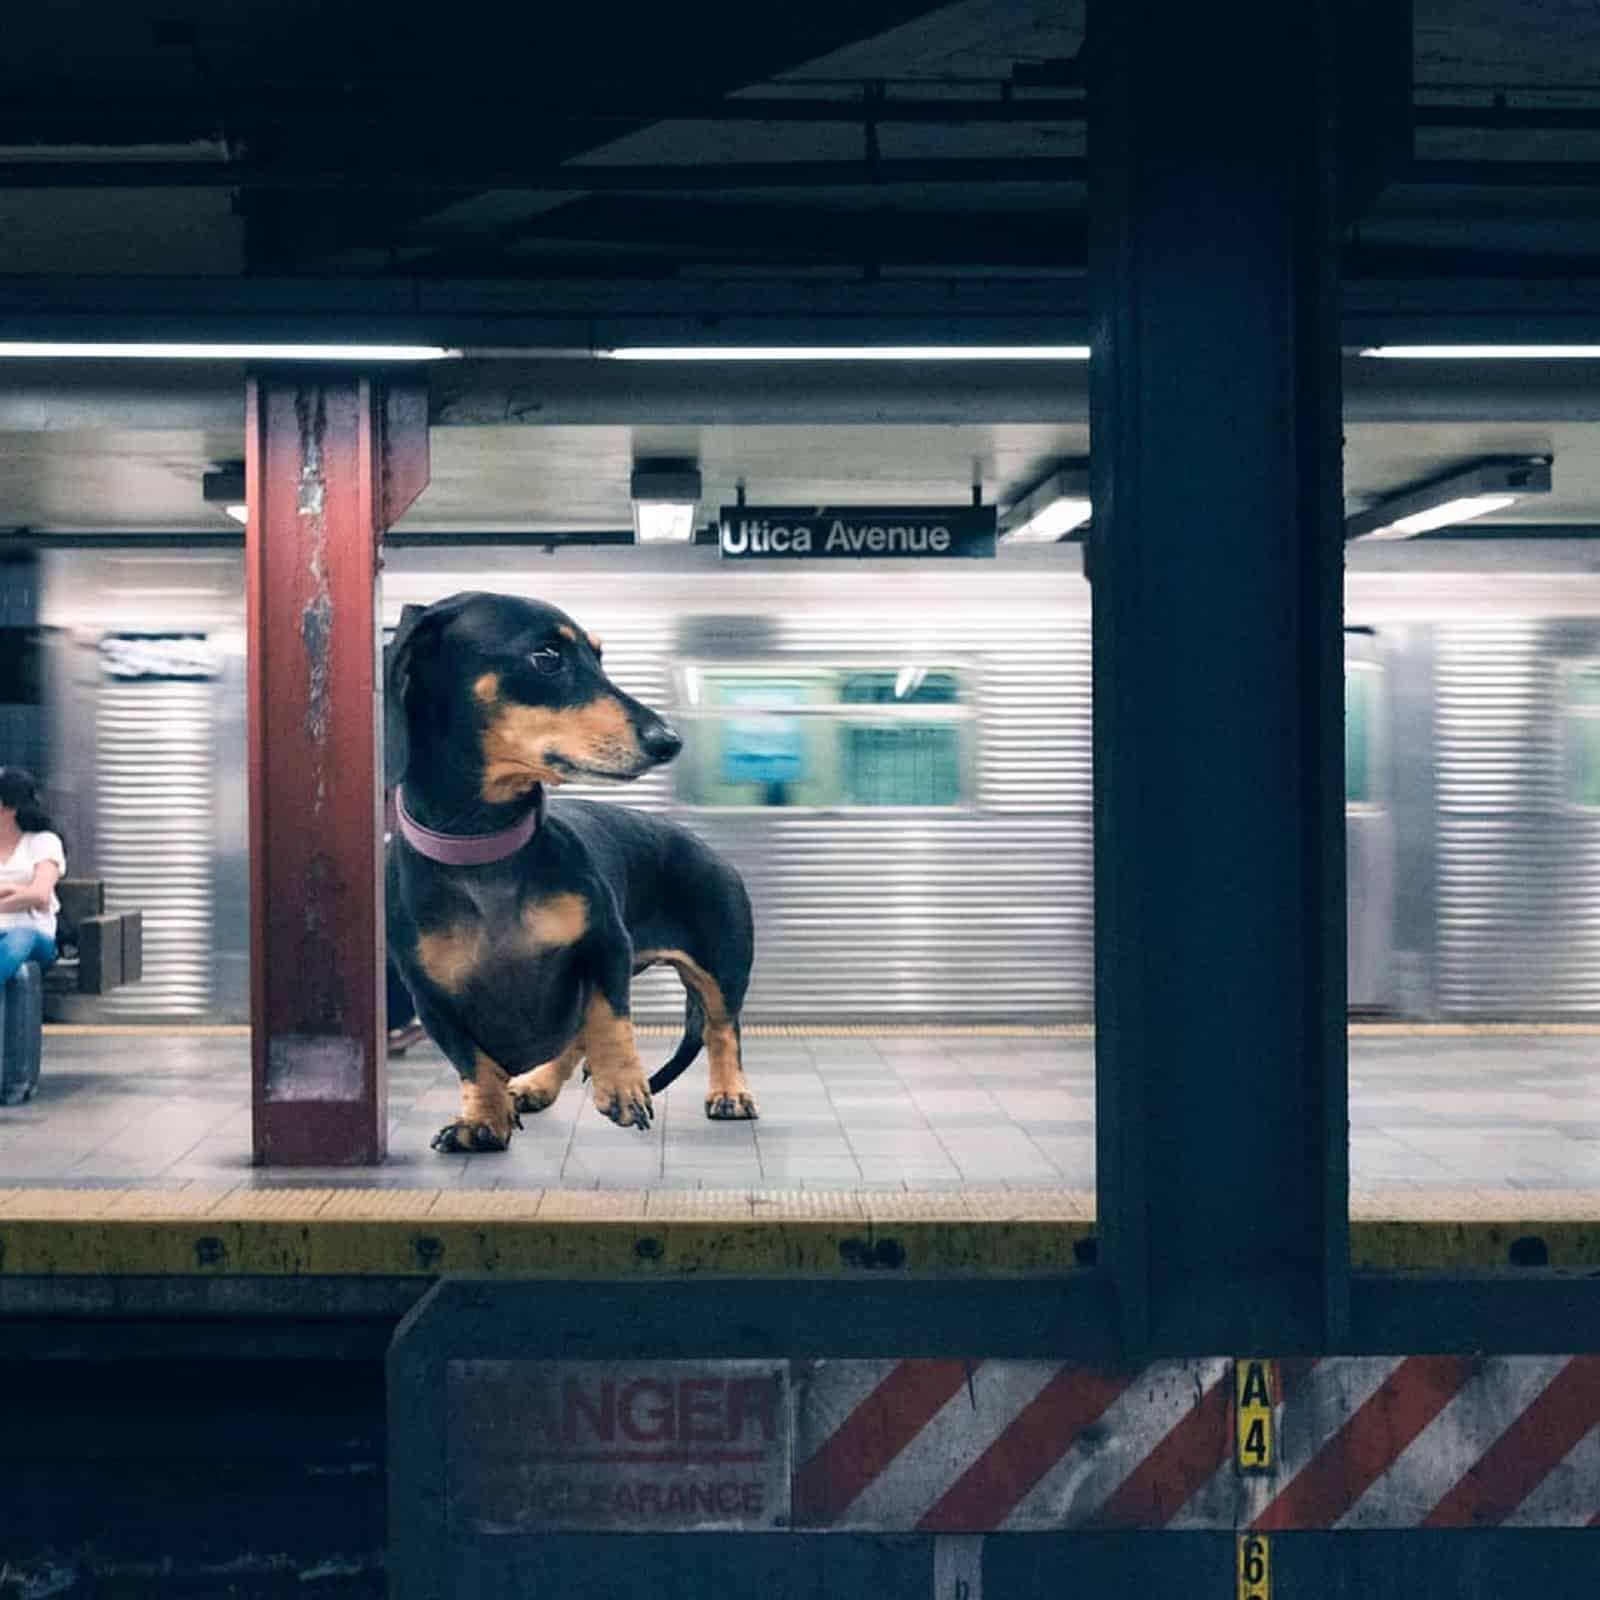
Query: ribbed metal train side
pixel 1519 856
pixel 1474 865
pixel 147 770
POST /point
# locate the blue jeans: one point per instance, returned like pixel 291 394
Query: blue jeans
pixel 23 944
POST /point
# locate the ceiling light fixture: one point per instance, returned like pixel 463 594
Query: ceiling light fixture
pixel 850 352
pixel 1050 510
pixel 666 496
pixel 1484 352
pixel 224 488
pixel 115 351
pixel 1472 491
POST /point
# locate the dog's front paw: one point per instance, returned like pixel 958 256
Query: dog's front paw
pixel 624 1097
pixel 737 1107
pixel 473 1138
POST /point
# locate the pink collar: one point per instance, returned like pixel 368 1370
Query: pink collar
pixel 468 849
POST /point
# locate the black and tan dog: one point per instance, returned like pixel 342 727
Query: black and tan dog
pixel 517 923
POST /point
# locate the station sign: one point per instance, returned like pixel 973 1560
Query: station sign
pixel 619 1447
pixel 158 657
pixel 856 533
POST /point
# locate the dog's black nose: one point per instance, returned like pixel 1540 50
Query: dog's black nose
pixel 659 742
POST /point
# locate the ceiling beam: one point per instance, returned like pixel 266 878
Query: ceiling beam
pixel 145 122
pixel 686 230
pixel 462 174
pixel 73 398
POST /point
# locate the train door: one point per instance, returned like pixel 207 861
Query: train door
pixel 1369 823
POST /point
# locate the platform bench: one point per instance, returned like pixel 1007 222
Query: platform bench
pixel 110 947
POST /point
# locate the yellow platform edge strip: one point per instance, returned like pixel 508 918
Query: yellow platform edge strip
pixel 423 1234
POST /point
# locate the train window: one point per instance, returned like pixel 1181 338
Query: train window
pixel 19 667
pixel 905 763
pixel 1582 727
pixel 824 737
pixel 1362 732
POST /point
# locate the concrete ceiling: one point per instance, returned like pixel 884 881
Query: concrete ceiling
pixel 368 95
pixel 425 124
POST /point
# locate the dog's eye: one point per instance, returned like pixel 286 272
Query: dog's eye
pixel 545 659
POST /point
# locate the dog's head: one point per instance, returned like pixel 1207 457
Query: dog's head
pixel 514 689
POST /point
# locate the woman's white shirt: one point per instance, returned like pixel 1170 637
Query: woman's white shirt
pixel 17 872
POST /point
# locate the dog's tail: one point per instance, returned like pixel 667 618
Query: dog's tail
pixel 694 1023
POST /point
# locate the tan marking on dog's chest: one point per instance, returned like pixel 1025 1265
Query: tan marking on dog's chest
pixel 451 955
pixel 556 921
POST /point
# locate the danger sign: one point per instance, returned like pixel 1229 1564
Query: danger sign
pixel 669 1446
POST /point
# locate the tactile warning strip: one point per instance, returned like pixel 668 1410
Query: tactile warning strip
pixel 353 1231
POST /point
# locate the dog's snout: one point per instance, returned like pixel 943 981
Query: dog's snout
pixel 659 742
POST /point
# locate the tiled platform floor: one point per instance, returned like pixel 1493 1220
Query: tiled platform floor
pixel 1520 1111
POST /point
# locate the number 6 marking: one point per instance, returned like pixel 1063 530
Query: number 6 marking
pixel 1255 1567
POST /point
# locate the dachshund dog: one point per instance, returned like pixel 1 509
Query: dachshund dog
pixel 517 921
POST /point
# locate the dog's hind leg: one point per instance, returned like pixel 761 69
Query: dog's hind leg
pixel 533 1091
pixel 728 1097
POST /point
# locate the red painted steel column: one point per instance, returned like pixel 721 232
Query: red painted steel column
pixel 331 458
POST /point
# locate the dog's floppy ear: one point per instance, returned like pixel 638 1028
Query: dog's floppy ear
pixel 417 633
pixel 396 690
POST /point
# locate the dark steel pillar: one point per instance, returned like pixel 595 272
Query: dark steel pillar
pixel 1216 562
pixel 331 460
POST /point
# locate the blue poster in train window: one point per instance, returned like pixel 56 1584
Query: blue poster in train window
pixel 766 749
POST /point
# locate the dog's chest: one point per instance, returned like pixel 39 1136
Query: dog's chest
pixel 483 937
pixel 508 965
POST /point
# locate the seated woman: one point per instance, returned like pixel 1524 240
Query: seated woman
pixel 32 858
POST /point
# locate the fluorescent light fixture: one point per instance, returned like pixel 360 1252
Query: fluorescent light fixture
pixel 850 352
pixel 1462 510
pixel 224 489
pixel 1471 491
pixel 1050 510
pixel 114 351
pixel 1484 352
pixel 666 496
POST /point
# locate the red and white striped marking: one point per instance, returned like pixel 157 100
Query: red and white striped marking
pixel 975 1447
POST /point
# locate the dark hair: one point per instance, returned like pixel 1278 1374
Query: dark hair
pixel 20 791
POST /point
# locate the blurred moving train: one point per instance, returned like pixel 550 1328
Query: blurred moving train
pixel 898 759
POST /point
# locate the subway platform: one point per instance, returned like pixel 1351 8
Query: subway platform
pixel 1438 1108
pixel 957 1151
